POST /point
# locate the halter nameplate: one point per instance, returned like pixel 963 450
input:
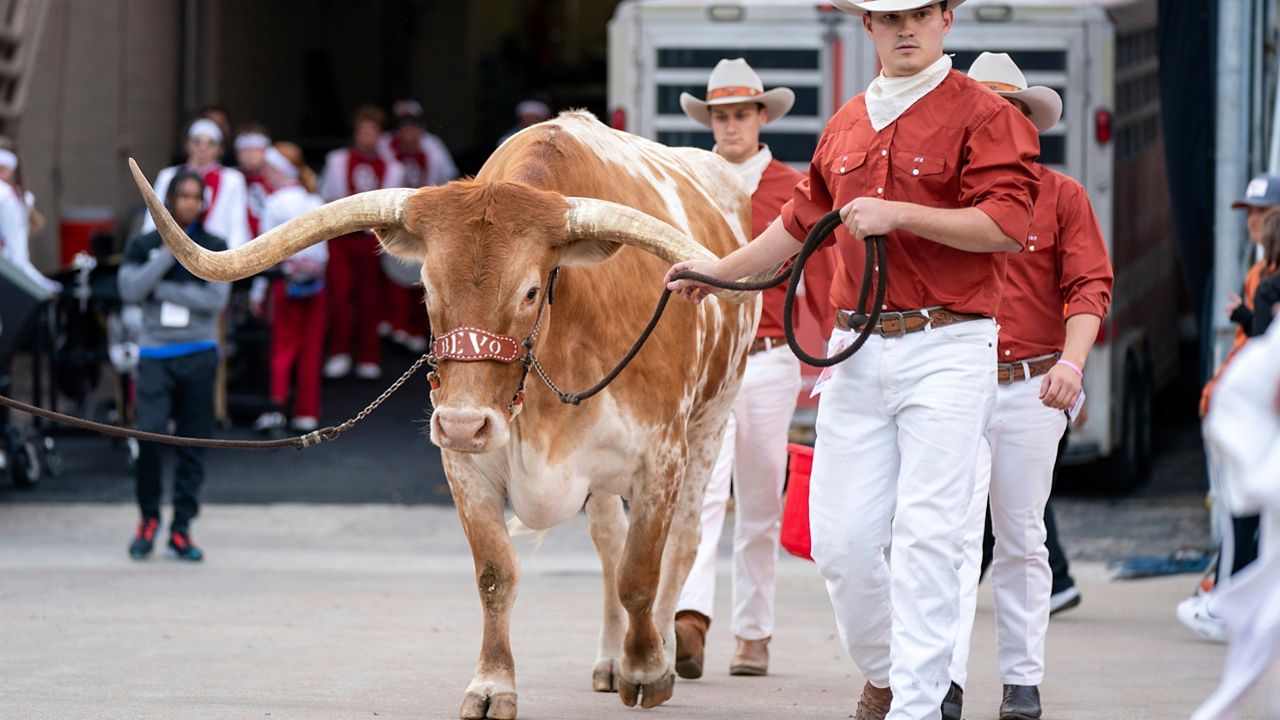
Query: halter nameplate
pixel 469 344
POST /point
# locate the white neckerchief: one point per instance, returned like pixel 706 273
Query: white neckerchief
pixel 752 169
pixel 888 97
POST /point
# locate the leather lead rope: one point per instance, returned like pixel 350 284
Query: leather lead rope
pixel 876 261
pixel 301 442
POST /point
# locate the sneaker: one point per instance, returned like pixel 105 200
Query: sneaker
pixel 1064 600
pixel 368 371
pixel 145 539
pixel 305 423
pixel 337 366
pixel 1194 613
pixel 268 421
pixel 181 547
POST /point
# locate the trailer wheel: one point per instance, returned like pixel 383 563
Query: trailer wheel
pixel 1131 461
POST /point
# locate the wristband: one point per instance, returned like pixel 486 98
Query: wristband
pixel 1076 368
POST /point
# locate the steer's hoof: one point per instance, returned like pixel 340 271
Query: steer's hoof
pixel 604 676
pixel 479 706
pixel 649 695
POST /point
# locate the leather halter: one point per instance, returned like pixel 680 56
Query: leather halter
pixel 472 344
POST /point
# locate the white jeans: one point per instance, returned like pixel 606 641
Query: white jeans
pixel 1016 462
pixel 754 455
pixel 898 431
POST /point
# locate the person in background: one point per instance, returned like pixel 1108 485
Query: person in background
pixel 251 144
pixel 15 222
pixel 528 112
pixel 1055 296
pixel 297 298
pixel 226 213
pixel 355 279
pixel 1267 295
pixel 754 453
pixel 219 115
pixel 1260 201
pixel 178 360
pixel 426 162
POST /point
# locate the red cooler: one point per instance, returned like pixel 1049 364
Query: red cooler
pixel 795 514
pixel 78 225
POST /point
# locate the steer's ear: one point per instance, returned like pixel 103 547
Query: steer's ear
pixel 587 251
pixel 401 243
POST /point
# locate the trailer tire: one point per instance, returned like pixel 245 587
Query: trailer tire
pixel 1131 459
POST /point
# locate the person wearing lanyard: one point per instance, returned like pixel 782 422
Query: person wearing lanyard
pixel 945 170
pixel 754 453
pixel 1064 273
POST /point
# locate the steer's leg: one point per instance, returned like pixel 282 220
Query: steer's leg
pixel 646 673
pixel 686 529
pixel 492 692
pixel 608 525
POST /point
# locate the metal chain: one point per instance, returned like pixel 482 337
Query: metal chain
pixel 426 357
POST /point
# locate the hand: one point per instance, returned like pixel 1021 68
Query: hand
pixel 869 216
pixel 1060 388
pixel 692 290
pixel 1233 302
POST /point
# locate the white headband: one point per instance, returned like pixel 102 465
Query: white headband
pixel 252 141
pixel 8 159
pixel 206 127
pixel 281 163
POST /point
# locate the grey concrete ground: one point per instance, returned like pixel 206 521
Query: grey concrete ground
pixel 351 611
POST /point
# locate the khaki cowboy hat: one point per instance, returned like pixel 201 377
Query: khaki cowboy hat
pixel 998 72
pixel 858 8
pixel 731 82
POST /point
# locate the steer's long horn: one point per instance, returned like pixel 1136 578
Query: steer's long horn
pixel 604 220
pixel 375 209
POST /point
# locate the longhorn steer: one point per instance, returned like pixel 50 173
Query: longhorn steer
pixel 614 211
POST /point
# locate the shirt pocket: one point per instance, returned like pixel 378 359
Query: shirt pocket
pixel 844 172
pixel 1042 239
pixel 921 165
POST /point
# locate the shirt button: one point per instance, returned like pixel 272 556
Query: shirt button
pixel 884 153
pixel 1007 352
pixel 1031 248
pixel 916 171
pixel 884 307
pixel 841 168
pixel 879 191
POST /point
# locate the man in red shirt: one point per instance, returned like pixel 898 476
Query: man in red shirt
pixel 1064 272
pixel 945 169
pixel 355 278
pixel 755 444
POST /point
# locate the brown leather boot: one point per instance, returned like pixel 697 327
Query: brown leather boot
pixel 751 658
pixel 691 640
pixel 874 703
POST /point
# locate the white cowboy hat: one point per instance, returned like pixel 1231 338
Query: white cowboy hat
pixel 733 81
pixel 998 72
pixel 850 6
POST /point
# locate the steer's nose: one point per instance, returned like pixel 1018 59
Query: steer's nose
pixel 463 430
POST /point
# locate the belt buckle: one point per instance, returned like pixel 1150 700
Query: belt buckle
pixel 897 317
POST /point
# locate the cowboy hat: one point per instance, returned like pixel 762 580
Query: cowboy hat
pixel 733 81
pixel 850 6
pixel 998 72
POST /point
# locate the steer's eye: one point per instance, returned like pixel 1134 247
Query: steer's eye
pixel 532 295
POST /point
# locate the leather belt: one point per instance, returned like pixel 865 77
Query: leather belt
pixel 897 324
pixel 1007 373
pixel 766 343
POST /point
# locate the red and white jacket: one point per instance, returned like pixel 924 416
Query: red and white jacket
pixel 429 164
pixel 348 171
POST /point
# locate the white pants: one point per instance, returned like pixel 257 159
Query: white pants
pixel 898 431
pixel 754 455
pixel 1016 462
